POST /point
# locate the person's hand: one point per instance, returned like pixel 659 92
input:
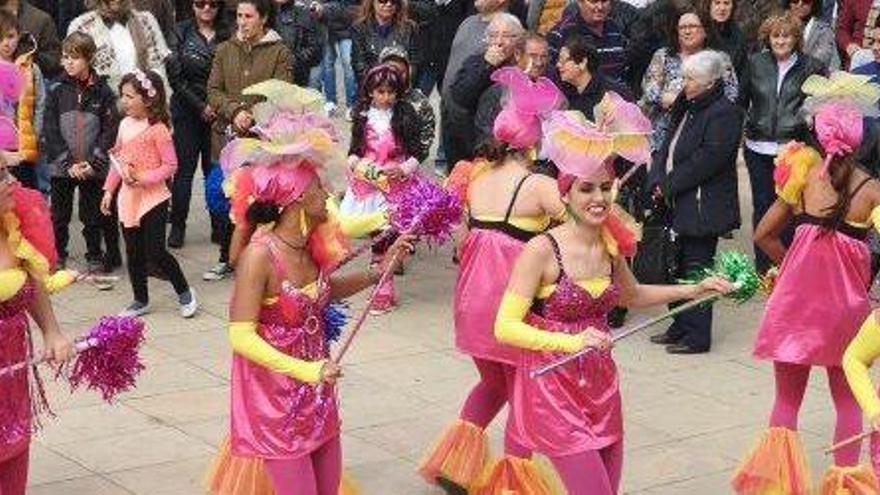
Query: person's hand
pixel 715 284
pixel 243 121
pixel 209 114
pixel 597 339
pixel 58 348
pixel 402 248
pixel 393 173
pixel 667 99
pixel 11 158
pixel 330 372
pixel 852 48
pixel 131 176
pixel 106 203
pixel 495 55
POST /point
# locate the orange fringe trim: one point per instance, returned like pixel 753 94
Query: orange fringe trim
pixel 458 455
pixel 515 475
pixel 777 465
pixel 232 475
pixel 854 480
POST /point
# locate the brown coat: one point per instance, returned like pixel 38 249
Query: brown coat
pixel 237 66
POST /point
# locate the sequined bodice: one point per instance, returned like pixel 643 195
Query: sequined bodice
pixel 571 303
pixel 15 402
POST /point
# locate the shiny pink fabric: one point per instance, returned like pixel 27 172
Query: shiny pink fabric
pixel 15 399
pixel 487 258
pixel 275 416
pixel 819 301
pixel 281 184
pixel 577 407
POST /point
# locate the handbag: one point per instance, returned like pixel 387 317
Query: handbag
pixel 656 260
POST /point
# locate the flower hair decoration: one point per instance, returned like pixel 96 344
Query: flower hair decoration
pixel 145 82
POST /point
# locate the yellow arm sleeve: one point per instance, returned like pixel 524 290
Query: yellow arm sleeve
pixel 875 218
pixel 862 351
pixel 511 329
pixel 247 342
pixel 59 281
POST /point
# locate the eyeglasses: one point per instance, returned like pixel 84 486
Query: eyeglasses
pixel 801 2
pixel 500 36
pixel 689 27
pixel 386 2
pixel 203 5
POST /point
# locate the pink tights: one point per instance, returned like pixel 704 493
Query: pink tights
pixel 593 472
pixel 488 397
pixel 318 473
pixel 791 382
pixel 14 474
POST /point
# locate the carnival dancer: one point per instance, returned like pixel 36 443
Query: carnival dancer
pixel 821 295
pixel 27 253
pixel 285 427
pixel 384 144
pixel 557 301
pixel 507 205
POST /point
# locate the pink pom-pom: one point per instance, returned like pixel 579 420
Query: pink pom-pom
pixel 110 362
pixel 422 207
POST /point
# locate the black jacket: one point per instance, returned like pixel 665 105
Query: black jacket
pixel 594 92
pixel 190 65
pixel 367 43
pixel 772 117
pixel 701 188
pixel 80 124
pixel 338 17
pixel 472 79
pixel 300 34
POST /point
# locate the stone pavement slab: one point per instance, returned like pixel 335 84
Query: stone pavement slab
pixel 689 419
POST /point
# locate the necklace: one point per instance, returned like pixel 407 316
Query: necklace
pixel 290 244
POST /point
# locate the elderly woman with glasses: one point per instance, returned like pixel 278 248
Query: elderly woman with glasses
pixel 664 80
pixel 383 23
pixel 694 173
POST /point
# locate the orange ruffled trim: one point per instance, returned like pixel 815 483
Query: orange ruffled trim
pixel 233 475
pixel 621 233
pixel 463 173
pixel 458 455
pixel 855 480
pixel 515 475
pixel 777 466
pixel 792 165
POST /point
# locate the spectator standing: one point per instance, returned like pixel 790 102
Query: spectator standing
pixel 427 123
pixel 256 53
pixel 382 23
pixel 818 34
pixel 725 35
pixel 189 66
pixel 773 98
pixel 41 26
pixel 126 38
pixel 504 34
pixel 855 22
pixel 298 30
pixel 695 174
pixel 665 78
pixel 580 80
pixel 80 128
pixel 337 17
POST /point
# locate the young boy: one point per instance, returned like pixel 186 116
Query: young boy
pixel 80 127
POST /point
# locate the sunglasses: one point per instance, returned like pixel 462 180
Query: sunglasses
pixel 203 5
pixel 385 2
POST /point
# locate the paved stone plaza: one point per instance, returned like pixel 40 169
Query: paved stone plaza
pixel 688 419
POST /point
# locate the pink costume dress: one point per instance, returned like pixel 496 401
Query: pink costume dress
pixel 578 407
pixel 487 257
pixel 15 398
pixel 274 416
pixel 821 297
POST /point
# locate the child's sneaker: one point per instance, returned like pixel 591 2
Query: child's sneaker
pixel 135 309
pixel 188 303
pixel 219 272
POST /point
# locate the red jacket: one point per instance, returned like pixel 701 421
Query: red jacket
pixel 851 24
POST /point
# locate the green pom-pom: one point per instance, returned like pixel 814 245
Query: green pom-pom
pixel 738 268
pixel 734 267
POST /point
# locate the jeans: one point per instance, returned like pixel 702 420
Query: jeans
pixel 694 327
pixel 342 49
pixel 426 79
pixel 146 242
pixel 192 142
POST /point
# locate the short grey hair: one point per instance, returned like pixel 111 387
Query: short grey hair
pixel 508 20
pixel 706 66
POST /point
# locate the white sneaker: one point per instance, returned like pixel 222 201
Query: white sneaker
pixel 330 109
pixel 219 272
pixel 135 309
pixel 188 310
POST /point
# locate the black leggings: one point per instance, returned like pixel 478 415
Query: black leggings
pixel 147 242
